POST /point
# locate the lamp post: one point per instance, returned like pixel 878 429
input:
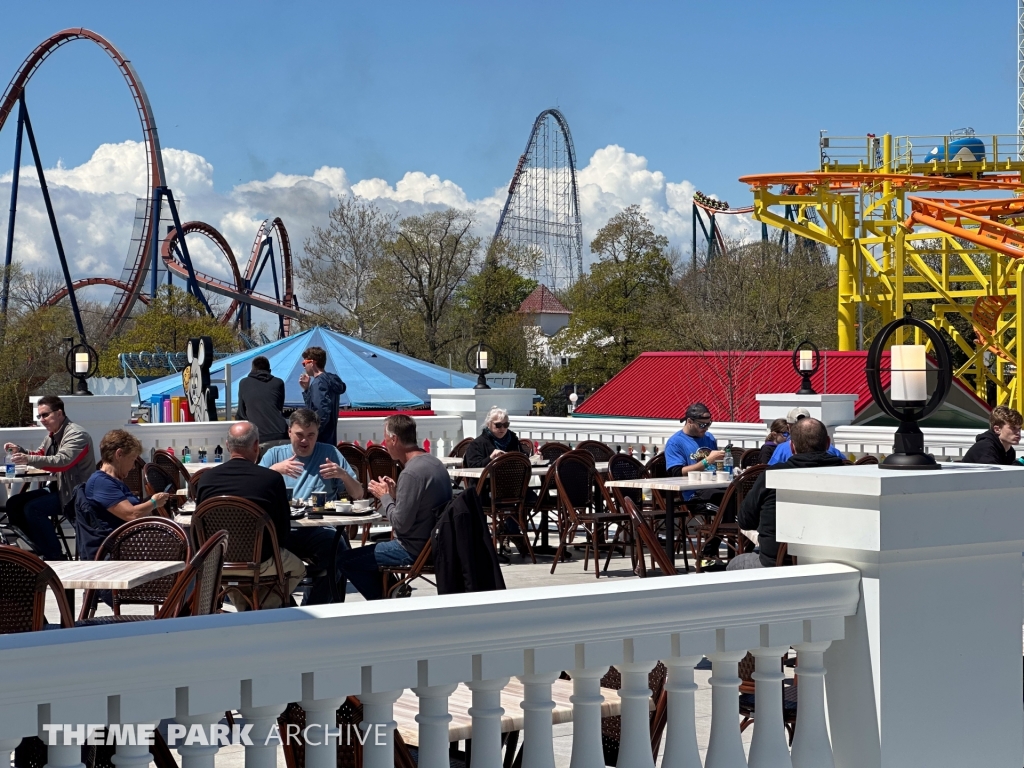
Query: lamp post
pixel 81 362
pixel 806 359
pixel 908 400
pixel 572 402
pixel 480 360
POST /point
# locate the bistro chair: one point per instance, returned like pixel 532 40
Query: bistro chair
pixel 195 592
pixel 193 482
pixel 157 479
pixel 356 457
pixel 526 446
pixel 539 517
pixel 398 577
pixel 146 538
pixel 598 450
pixel 247 525
pixel 461 447
pixel 575 480
pixel 172 464
pixel 644 536
pixel 24 579
pixel 552 451
pixel 507 479
pixel 749 458
pixel 134 480
pixel 718 526
pixel 869 459
pixel 380 464
pixel 783 557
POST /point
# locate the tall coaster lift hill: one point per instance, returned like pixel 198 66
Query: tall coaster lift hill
pixel 958 246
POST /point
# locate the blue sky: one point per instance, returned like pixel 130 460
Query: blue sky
pixel 705 91
pixel 276 109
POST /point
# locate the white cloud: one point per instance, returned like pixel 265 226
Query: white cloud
pixel 96 202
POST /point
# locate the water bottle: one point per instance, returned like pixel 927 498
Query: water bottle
pixel 186 455
pixel 9 467
pixel 202 455
pixel 729 463
pixel 218 455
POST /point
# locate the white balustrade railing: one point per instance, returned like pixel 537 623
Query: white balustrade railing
pixel 626 432
pixel 193 669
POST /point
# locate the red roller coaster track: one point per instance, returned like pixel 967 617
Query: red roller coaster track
pixel 137 264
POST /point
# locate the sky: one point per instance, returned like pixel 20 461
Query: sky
pixel 266 109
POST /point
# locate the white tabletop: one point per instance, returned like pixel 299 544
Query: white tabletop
pixel 538 471
pixel 112 574
pixel 32 476
pixel 185 519
pixel 668 484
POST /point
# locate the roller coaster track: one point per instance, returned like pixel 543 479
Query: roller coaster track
pixel 136 266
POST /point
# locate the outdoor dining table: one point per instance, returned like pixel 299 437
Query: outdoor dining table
pixel 538 470
pixel 110 574
pixel 184 519
pixel 29 476
pixel 671 485
pixel 460 726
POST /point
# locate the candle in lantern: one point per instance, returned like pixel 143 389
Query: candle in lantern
pixel 909 384
pixel 806 361
pixel 81 362
pixel 481 359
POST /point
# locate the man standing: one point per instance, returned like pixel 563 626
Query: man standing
pixel 810 443
pixel 261 401
pixel 320 392
pixel 995 445
pixel 67 451
pixel 242 476
pixel 412 508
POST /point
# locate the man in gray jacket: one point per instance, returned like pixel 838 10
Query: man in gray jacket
pixel 67 451
pixel 411 506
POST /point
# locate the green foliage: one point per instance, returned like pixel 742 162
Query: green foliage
pixel 167 324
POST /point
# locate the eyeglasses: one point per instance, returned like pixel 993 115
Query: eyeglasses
pixel 501 425
pixel 702 424
pixel 46 415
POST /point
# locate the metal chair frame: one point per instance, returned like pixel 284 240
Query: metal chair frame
pixel 507 502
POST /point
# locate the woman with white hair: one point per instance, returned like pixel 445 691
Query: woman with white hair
pixel 495 439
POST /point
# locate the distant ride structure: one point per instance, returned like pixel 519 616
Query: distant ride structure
pixel 961 254
pixel 705 205
pixel 542 209
pixel 149 250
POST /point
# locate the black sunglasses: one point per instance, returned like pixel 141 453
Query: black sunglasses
pixel 702 424
pixel 501 424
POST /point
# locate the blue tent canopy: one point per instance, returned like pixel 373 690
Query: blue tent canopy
pixel 376 377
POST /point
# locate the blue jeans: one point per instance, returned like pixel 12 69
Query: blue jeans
pixel 32 513
pixel 315 546
pixel 360 566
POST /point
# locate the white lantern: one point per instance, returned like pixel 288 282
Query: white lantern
pixel 481 359
pixel 909 382
pixel 806 360
pixel 81 363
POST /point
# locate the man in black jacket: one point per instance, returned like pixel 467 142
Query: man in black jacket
pixel 242 476
pixel 810 449
pixel 261 401
pixel 995 445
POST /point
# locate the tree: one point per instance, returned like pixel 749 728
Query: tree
pixel 613 318
pixel 170 320
pixel 341 260
pixel 498 289
pixel 427 260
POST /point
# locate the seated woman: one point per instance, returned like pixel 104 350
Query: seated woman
pixel 778 434
pixel 105 503
pixel 495 439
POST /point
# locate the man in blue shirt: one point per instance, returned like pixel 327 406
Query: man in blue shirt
pixel 693 448
pixel 784 451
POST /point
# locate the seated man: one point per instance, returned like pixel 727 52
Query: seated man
pixel 67 450
pixel 309 466
pixel 757 512
pixel 241 476
pixel 995 445
pixel 785 449
pixel 694 449
pixel 412 507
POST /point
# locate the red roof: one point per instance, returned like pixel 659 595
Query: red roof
pixel 661 385
pixel 543 301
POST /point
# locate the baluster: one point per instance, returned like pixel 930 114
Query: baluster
pixel 263 716
pixel 60 756
pixel 768 747
pixel 131 756
pixel 322 712
pixel 433 719
pixel 378 717
pixel 198 755
pixel 811 745
pixel 486 713
pixel 635 733
pixel 587 750
pixel 681 749
pixel 725 747
pixel 538 748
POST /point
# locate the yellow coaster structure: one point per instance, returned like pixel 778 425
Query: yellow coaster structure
pixel 964 255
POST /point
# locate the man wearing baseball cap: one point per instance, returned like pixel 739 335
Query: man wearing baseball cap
pixel 784 452
pixel 693 448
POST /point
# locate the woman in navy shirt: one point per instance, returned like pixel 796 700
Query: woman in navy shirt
pixel 107 503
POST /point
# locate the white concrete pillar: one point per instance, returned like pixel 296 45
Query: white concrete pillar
pixel 681 749
pixel 379 720
pixel 635 733
pixel 433 719
pixel 487 713
pixel 199 753
pixel 811 747
pixel 725 747
pixel 131 756
pixel 587 751
pixel 261 754
pixel 538 748
pixel 769 747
